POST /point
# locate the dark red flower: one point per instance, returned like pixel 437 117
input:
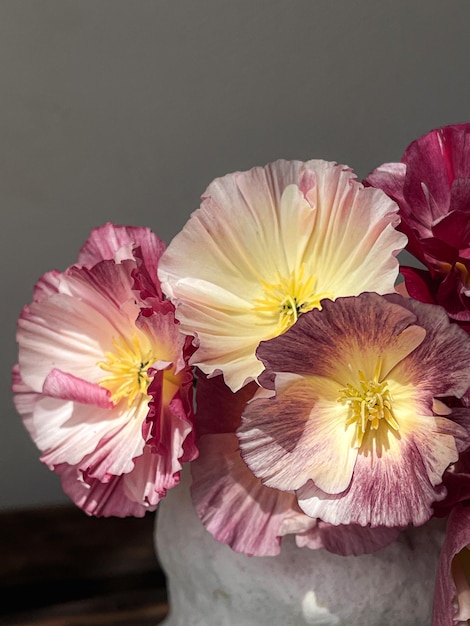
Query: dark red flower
pixel 431 185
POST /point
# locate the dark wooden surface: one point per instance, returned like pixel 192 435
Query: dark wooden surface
pixel 59 567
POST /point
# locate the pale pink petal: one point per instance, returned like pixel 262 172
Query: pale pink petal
pixel 233 505
pixel 154 474
pixel 64 386
pixel 100 499
pixel 107 287
pixel 111 242
pixel 47 285
pixel 103 382
pixel 72 329
pixel 66 431
pixel 114 454
pixel 24 399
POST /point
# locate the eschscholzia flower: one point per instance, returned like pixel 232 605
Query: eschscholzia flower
pixel 268 245
pixel 235 506
pixel 431 185
pixel 102 380
pixel 356 425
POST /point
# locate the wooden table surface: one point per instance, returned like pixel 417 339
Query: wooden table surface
pixel 59 567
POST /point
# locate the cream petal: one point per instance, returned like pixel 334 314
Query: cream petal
pixel 257 228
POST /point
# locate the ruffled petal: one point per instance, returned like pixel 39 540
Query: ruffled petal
pixel 348 335
pixel 111 242
pixel 301 231
pixel 232 504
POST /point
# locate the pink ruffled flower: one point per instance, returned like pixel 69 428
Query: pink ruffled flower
pixel 431 185
pixel 235 506
pixel 102 383
pixel 268 245
pixel 355 424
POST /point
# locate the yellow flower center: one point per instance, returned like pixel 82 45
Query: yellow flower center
pixel 286 299
pixel 370 404
pixel 127 367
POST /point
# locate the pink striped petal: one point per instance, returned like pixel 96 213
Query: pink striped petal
pixel 100 499
pixel 396 489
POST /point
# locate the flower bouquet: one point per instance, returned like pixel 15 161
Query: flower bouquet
pixel 268 380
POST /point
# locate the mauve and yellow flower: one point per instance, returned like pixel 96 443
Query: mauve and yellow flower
pixel 356 424
pixel 268 245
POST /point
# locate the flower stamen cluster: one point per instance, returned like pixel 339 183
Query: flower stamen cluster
pixel 287 298
pixel 370 404
pixel 128 367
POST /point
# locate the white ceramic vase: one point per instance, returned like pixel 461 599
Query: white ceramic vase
pixel 210 585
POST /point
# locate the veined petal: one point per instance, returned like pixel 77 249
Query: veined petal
pixel 233 505
pixel 446 350
pixel 394 487
pixel 99 499
pixel 280 437
pixel 364 327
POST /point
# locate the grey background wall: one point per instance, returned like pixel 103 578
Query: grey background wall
pixel 125 111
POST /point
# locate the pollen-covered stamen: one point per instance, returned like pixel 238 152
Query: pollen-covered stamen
pixel 289 297
pixel 128 366
pixel 370 404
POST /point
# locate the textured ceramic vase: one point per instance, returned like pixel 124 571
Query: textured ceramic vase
pixel 210 585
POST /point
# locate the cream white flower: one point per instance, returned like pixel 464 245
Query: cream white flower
pixel 268 245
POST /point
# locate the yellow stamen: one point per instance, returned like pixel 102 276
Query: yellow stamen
pixel 128 366
pixel 370 404
pixel 285 300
